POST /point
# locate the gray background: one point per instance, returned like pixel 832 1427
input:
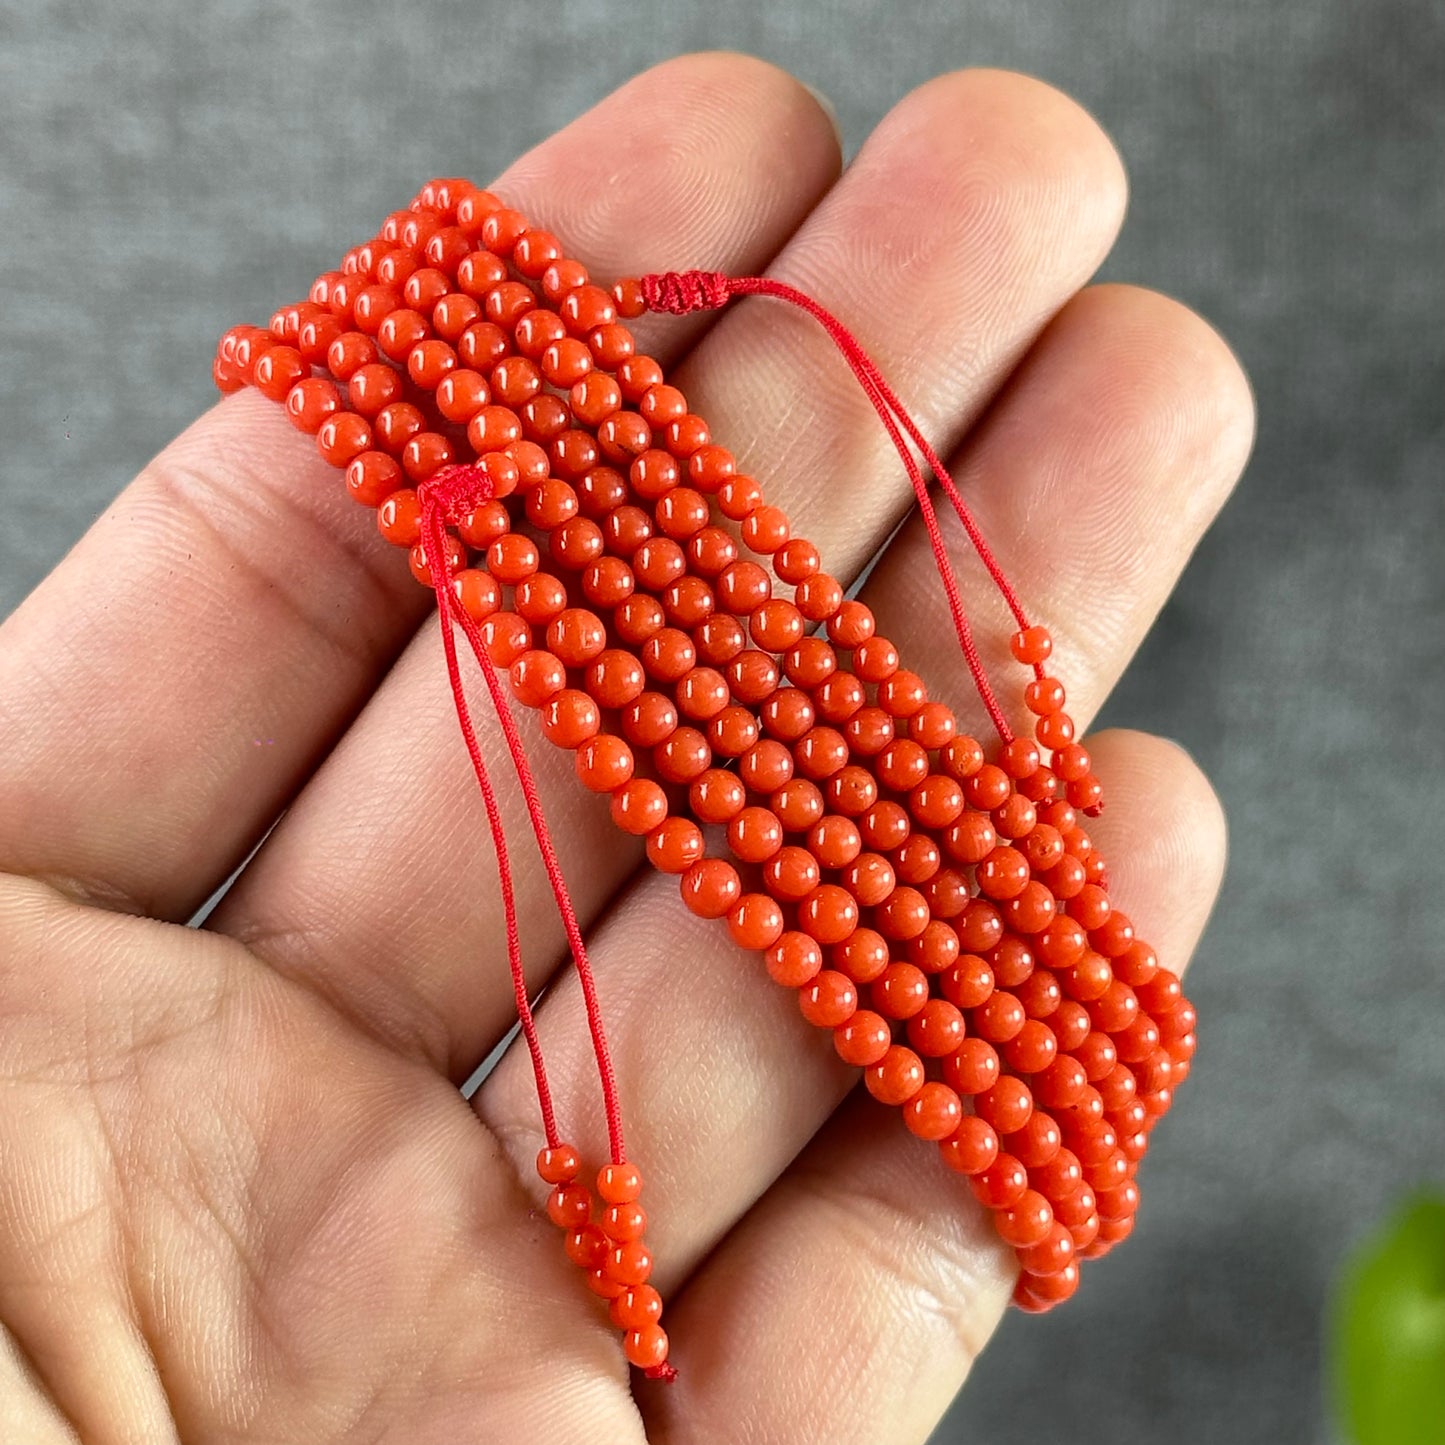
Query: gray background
pixel 166 168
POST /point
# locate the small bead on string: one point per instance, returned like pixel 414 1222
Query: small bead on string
pixel 446 497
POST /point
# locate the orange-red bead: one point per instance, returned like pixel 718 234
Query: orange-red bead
pixel 896 1077
pixel 933 1113
pixel 711 887
pixel 829 999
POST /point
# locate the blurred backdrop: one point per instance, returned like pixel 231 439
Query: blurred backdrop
pixel 167 167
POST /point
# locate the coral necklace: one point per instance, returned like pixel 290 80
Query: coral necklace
pixel 936 906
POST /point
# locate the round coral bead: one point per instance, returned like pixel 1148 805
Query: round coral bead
pixel 586 1246
pixel 1004 873
pixel 711 887
pixel 1002 1184
pixel 756 921
pixel 933 1113
pixel 971 839
pixel 863 955
pixel 675 845
pixel 901 992
pixel 604 763
pixel 569 1205
pixel 902 915
pixel 639 806
pixel 619 1183
pixel 615 678
pixel 570 719
pixel 602 1284
pixel 1053 1253
pixel 989 787
pixel 829 913
pixel 835 841
pixel 537 676
pixel 1053 1289
pixel 629 1262
pixel 938 801
pixel 936 948
pixel 1062 1083
pixel 755 834
pixel 1027 1221
pixel 791 873
pixel 972 1147
pixel 1033 1049
pixel 765 529
pixel 1059 1176
pixel 646 1347
pixel 863 1040
pixel 829 999
pixel 685 756
pixel 973 1068
pixel 1038 1141
pixel 1000 1017
pixel 310 402
pixel 716 795
pixel 1032 645
pixel 624 1221
pixel 398 518
pixel 1007 1105
pixel 648 721
pixel 776 625
pixel 968 983
pixel 937 1029
pixel 1068 1019
pixel 637 1307
pixel 559 1164
pixel 506 636
pixel 896 1077
pixel 794 959
pixel 1062 943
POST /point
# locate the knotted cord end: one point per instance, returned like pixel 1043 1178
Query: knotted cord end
pixel 663 1372
pixel 682 291
pixel 455 490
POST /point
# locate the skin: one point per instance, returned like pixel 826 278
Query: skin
pixel 241 1196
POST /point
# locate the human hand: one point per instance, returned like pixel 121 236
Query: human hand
pixel 241 1196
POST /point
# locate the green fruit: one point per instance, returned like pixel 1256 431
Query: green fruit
pixel 1390 1332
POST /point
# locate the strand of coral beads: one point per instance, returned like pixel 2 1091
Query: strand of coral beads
pixel 942 912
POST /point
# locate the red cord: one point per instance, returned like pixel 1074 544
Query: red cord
pixel 572 927
pixel 450 492
pixel 679 292
pixel 433 525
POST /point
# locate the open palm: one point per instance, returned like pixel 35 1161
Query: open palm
pixel 242 1198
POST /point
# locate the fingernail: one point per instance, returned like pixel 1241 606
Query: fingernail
pixel 828 109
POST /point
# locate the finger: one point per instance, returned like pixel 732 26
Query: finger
pixel 1023 195
pixel 978 207
pixel 723 1081
pixel 867 1247
pixel 225 1215
pixel 168 688
pixel 27 1411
